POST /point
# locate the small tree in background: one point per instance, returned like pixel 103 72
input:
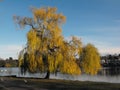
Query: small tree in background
pixel 90 59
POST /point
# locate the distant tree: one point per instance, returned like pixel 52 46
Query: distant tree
pixel 90 59
pixel 2 63
pixel 10 58
pixel 119 55
pixel 46 49
pixel 110 57
pixel 7 65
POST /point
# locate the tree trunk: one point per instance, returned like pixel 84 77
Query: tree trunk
pixel 47 75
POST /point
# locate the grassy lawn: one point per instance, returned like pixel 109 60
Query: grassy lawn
pixel 10 83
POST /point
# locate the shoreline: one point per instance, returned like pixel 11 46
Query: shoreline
pixel 15 83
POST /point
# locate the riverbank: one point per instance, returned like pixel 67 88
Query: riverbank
pixel 13 83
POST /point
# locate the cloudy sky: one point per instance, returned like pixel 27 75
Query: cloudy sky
pixel 94 21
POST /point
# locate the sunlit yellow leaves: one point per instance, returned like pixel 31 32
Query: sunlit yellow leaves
pixel 55 61
pixel 39 14
pixel 51 12
pixel 32 62
pixel 48 14
pixel 40 63
pixel 7 65
pixel 47 50
pixel 33 40
pixel 76 45
pixel 70 67
pixel 90 60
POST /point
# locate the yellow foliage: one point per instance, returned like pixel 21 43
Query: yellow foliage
pixel 70 67
pixel 77 45
pixel 54 61
pixel 46 47
pixel 21 58
pixel 90 60
pixel 32 62
pixel 48 14
pixel 33 40
pixel 7 65
pixel 40 63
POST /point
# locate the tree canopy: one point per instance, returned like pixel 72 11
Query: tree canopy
pixel 90 59
pixel 46 49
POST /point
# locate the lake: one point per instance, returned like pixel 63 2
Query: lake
pixel 111 75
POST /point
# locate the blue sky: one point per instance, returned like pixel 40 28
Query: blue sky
pixel 94 21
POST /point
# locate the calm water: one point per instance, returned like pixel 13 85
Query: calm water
pixel 111 75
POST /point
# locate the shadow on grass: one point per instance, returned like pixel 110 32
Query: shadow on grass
pixel 52 84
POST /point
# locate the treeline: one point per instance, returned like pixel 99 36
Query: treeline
pixel 111 57
pixel 10 62
pixel 110 60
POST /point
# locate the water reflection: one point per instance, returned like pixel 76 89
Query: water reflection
pixel 105 75
pixel 110 71
pixel 8 71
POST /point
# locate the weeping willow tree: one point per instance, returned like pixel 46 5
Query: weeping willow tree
pixel 46 49
pixel 90 60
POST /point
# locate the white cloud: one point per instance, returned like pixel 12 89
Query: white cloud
pixel 103 47
pixel 109 50
pixel 7 51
